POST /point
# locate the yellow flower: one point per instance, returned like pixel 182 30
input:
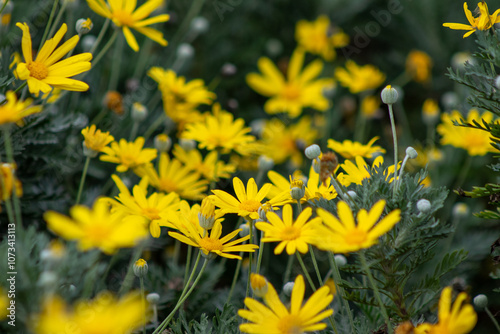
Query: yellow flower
pixel 97 228
pixel 13 111
pixel 419 66
pixel 211 168
pixel 350 150
pixel 475 141
pixel 483 22
pixel 212 244
pixel 259 284
pixel 190 215
pixel 343 235
pixel 247 203
pixel 153 211
pixel 427 156
pixel 359 78
pixel 297 91
pixel 104 314
pixel 9 181
pixel 95 140
pixel 370 106
pixel 292 235
pixel 430 111
pixel 360 170
pixel 172 176
pixel 128 154
pixel 45 72
pixel 220 131
pixel 284 142
pixel 181 98
pixel 125 15
pixel 316 37
pixel 274 317
pixel 459 318
pixel 16 59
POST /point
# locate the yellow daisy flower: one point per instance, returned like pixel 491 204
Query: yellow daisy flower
pixel 153 211
pixel 360 170
pixel 370 106
pixel 124 14
pixel 483 22
pixel 96 140
pixel 300 89
pixel 275 317
pixel 128 154
pixel 190 215
pixel 419 66
pixel 426 156
pixel 211 243
pixel 247 203
pixel 9 181
pixel 46 71
pixel 211 168
pixel 349 149
pixel 359 78
pixel 103 314
pixel 220 131
pixel 292 235
pixel 316 189
pixel 459 318
pixel 316 37
pixel 13 111
pixel 172 176
pixel 97 228
pixel 343 235
pixel 474 141
pixel 181 98
pixel 430 111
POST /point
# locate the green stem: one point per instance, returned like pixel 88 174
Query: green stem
pixel 250 258
pixel 315 264
pixel 115 67
pixel 288 269
pixel 49 22
pixel 58 17
pixel 181 301
pixel 100 36
pixel 133 133
pixel 186 285
pixel 395 139
pixel 128 280
pixel 141 280
pixel 105 49
pixel 4 5
pixel 261 251
pixel 82 180
pixel 154 126
pixel 337 279
pixel 235 278
pixel 188 263
pixel 495 322
pixel 10 159
pixel 366 268
pixel 304 269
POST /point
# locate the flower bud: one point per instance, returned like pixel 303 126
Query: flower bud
pixel 424 205
pixel 200 25
pixel 48 280
pixel 316 166
pixel 263 210
pixel 288 288
pixel 411 152
pixel 265 163
pixel 460 210
pixel 274 47
pixel 83 26
pixel 259 284
pixel 139 112
pixel 497 82
pixel 245 230
pixel 481 301
pixel 389 95
pixel 352 194
pixel 88 152
pixel 140 268
pixel 228 70
pixel 153 298
pixel 297 188
pixel 340 260
pixel 187 144
pixel 185 51
pixel 313 152
pixel 162 142
pixel 430 112
pixel 88 42
pixel 206 216
pixel 450 100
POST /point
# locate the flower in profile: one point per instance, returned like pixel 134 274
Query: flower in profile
pixel 292 235
pixel 475 141
pixel 103 314
pixel 153 211
pixel 370 106
pixel 220 131
pixel 300 89
pixel 95 140
pixel 248 201
pixel 318 37
pixel 14 111
pixel 483 22
pixel 9 182
pixel 275 317
pixel 128 155
pixel 97 228
pixel 46 71
pixel 124 14
pixel 357 171
pixel 343 235
pixel 419 66
pixel 349 149
pixel 190 215
pixel 181 98
pixel 359 78
pixel 459 318
pixel 210 168
pixel 211 243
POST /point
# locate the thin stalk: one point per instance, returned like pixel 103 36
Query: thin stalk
pixel 105 48
pixel 4 5
pixel 9 152
pixel 192 274
pixel 58 18
pixel 181 301
pixel 141 280
pixel 315 264
pixel 128 280
pixel 49 22
pixel 495 322
pixel 235 278
pixel 188 263
pixel 82 180
pixel 250 258
pixel 288 269
pixel 395 139
pixel 304 269
pixel 154 126
pixel 337 279
pixel 133 133
pixel 117 61
pixel 261 251
pixel 366 268
pixel 101 35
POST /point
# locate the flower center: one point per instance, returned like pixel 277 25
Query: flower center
pixel 475 140
pixel 356 237
pixel 128 160
pixel 151 213
pixel 291 92
pixel 290 233
pixel 124 18
pixel 250 205
pixel 290 324
pixel 38 70
pixel 98 232
pixel 210 244
pixel 167 185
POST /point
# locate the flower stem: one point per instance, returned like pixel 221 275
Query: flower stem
pixel 9 152
pixel 495 322
pixel 181 301
pixel 186 284
pixel 82 180
pixel 49 23
pixel 395 140
pixel 100 36
pixel 141 280
pixel 188 262
pixel 304 269
pixel 337 279
pixel 105 48
pixel 115 67
pixel 288 269
pixel 128 280
pixel 235 278
pixel 58 17
pixel 366 268
pixel 315 263
pixel 261 251
pixel 250 258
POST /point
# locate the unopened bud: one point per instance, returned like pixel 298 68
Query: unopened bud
pixel 259 284
pixel 352 194
pixel 140 268
pixel 274 47
pixel 83 26
pixel 162 142
pixel 153 298
pixel 200 25
pixel 228 70
pixel 139 112
pixel 411 152
pixel 481 301
pixel 265 163
pixel 313 152
pixel 185 51
pixel 245 230
pixel 460 210
pixel 424 205
pixel 206 216
pixel 340 260
pixel 187 144
pixel 389 95
pixel 288 288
